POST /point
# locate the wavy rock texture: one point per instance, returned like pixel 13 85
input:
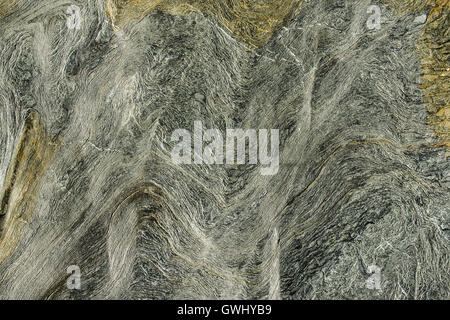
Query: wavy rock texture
pixel 87 178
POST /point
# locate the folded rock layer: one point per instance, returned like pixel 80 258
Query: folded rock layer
pixel 89 104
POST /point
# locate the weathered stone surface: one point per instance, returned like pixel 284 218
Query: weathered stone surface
pixel 87 179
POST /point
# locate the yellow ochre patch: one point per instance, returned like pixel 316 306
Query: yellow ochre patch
pixel 33 156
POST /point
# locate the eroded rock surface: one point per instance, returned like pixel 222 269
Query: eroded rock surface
pixel 88 107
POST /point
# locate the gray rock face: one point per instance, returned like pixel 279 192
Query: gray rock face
pixel 357 210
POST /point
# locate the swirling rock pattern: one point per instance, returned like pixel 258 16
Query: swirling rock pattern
pixel 87 178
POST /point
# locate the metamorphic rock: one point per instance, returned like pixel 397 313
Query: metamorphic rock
pixel 92 205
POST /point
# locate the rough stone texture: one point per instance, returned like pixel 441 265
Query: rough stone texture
pixel 87 179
